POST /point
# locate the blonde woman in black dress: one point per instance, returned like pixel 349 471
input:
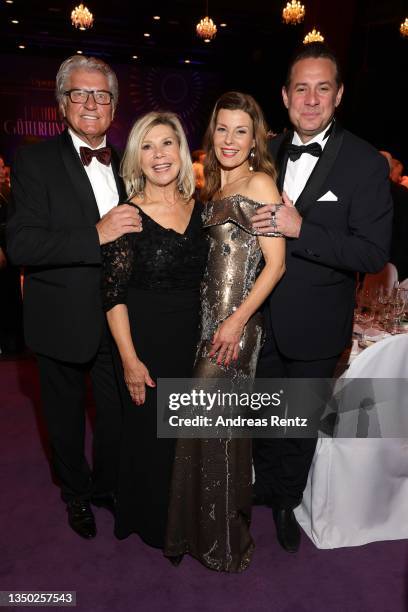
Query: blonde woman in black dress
pixel 211 488
pixel 152 300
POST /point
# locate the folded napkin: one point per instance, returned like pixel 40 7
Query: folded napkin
pixel 371 333
pixel 374 335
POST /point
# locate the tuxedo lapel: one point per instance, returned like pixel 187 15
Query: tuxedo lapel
pixel 308 197
pixel 281 159
pixel 79 179
pixel 115 162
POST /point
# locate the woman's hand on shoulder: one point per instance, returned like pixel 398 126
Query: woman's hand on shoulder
pixel 136 377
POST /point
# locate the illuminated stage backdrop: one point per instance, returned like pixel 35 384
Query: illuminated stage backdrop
pixel 29 112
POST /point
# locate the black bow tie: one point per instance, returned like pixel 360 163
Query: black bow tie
pixel 295 151
pixel 103 155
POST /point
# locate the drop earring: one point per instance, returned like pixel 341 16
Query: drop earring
pixel 251 158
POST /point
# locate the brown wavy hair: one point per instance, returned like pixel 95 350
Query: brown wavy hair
pixel 262 161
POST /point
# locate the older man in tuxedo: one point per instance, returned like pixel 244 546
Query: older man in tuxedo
pixel 65 196
pixel 337 218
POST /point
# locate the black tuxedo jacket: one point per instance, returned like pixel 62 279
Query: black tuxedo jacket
pixel 399 241
pixel 311 309
pixel 51 232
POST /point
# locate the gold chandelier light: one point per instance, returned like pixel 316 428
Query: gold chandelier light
pixel 81 17
pixel 206 28
pixel 313 36
pixel 404 28
pixel 293 13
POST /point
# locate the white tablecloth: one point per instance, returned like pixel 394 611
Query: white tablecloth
pixel 357 491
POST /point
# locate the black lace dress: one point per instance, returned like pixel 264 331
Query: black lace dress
pixel 157 274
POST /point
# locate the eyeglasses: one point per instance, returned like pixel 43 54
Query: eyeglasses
pixel 80 96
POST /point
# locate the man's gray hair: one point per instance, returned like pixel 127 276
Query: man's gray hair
pixel 82 62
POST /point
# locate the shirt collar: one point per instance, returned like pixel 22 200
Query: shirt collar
pixel 78 142
pixel 319 138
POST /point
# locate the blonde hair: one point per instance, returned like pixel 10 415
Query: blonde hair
pixel 131 169
pixel 261 162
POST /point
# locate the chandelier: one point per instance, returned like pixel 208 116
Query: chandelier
pixel 404 27
pixel 206 28
pixel 81 17
pixel 313 36
pixel 293 13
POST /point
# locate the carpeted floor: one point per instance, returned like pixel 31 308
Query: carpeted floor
pixel 38 551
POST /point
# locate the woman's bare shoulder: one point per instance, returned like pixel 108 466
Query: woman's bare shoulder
pixel 262 188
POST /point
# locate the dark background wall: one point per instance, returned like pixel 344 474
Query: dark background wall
pixel 250 55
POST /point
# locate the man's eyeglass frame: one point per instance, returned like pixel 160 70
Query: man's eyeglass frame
pixel 89 92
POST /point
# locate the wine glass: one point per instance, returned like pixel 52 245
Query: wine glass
pixel 382 298
pixel 363 301
pixel 366 318
pixel 397 306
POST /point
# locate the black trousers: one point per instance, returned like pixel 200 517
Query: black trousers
pixel 63 392
pixel 11 311
pixel 282 464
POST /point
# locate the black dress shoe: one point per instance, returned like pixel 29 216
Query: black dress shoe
pixel 81 518
pixel 287 529
pixel 108 502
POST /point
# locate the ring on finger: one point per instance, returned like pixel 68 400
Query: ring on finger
pixel 273 219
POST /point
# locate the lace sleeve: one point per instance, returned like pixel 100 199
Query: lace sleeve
pixel 117 265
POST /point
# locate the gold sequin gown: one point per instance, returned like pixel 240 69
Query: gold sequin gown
pixel 210 502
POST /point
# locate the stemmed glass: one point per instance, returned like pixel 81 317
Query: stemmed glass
pixel 383 297
pixel 397 307
pixel 363 301
pixel 366 318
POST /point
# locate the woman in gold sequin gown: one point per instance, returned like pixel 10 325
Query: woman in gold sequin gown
pixel 210 505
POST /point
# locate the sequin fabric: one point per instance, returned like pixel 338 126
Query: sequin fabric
pixel 234 262
pixel 210 509
pixel 157 259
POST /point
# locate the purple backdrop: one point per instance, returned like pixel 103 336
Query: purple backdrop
pixel 29 112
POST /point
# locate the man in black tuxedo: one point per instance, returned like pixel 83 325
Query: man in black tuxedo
pixel 399 240
pixel 65 192
pixel 337 217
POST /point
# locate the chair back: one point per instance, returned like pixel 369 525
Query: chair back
pixel 375 389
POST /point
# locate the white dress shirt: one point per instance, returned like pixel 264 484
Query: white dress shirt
pixel 101 177
pixel 298 172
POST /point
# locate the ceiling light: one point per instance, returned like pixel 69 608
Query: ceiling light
pixel 206 28
pixel 293 13
pixel 14 21
pixel 156 17
pixel 81 17
pixel 313 36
